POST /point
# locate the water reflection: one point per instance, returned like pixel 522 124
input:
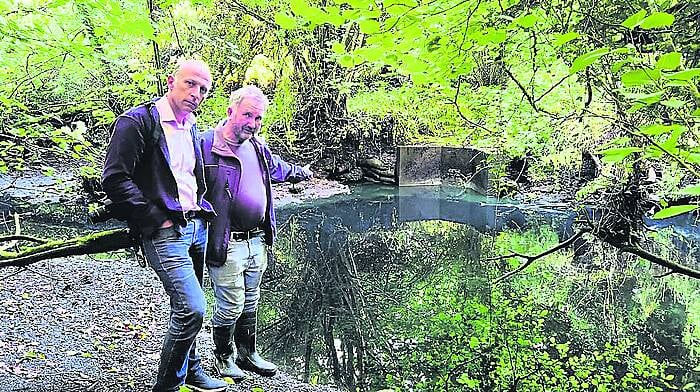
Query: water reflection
pixel 372 289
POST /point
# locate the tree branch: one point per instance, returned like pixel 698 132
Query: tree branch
pixel 531 259
pixel 104 241
pixel 658 260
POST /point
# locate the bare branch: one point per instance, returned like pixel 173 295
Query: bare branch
pixel 658 260
pixel 531 259
pixel 19 237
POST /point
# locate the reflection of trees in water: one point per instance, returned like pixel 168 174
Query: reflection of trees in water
pixel 351 305
pixel 343 286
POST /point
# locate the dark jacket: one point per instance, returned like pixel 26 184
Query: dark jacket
pixel 222 175
pixel 137 177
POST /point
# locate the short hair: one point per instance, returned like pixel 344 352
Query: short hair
pixel 249 91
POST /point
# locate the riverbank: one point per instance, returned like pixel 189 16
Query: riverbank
pixel 88 324
pixel 96 323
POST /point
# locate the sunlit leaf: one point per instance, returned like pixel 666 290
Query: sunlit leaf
pixel 613 155
pixel 656 20
pixel 334 16
pixel 646 98
pixel 495 36
pixel 632 21
pixel 674 103
pixel 688 74
pixel 370 53
pixel 693 157
pixel 337 48
pixel 640 77
pixel 691 190
pixel 659 129
pixel 675 210
pixel 564 38
pixel 585 60
pixel 527 21
pixel 669 61
pixel 369 26
pixel 617 65
pixel 285 21
pixel 346 61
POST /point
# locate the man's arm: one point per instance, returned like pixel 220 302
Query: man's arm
pixel 281 171
pixel 124 152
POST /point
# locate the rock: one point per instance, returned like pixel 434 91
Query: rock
pixel 372 163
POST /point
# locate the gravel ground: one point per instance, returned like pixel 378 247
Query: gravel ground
pixel 83 324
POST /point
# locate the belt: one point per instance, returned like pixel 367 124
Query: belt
pixel 245 235
pixel 191 214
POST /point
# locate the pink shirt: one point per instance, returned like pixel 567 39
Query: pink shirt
pixel 181 151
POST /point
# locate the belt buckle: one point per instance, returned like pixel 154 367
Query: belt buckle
pixel 244 235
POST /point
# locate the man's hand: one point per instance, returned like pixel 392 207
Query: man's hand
pixel 166 224
pixel 307 171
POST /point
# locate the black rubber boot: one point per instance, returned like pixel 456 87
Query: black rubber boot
pixel 248 358
pixel 224 362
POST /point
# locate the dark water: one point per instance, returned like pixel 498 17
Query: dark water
pixel 393 288
pixel 366 289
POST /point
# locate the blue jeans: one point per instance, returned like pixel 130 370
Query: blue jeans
pixel 176 254
pixel 237 282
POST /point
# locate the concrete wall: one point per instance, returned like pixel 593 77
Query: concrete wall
pixel 426 165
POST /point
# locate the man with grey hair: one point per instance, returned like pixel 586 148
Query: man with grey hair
pixel 154 176
pixel 239 169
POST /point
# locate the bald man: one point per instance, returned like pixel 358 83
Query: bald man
pixel 154 176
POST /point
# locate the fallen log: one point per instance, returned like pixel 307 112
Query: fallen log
pixel 103 241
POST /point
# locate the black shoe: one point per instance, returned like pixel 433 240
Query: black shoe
pixel 201 382
pixel 244 337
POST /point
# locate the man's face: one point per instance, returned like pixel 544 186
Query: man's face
pixel 246 119
pixel 188 87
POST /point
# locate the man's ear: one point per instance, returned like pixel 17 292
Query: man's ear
pixel 171 82
pixel 229 111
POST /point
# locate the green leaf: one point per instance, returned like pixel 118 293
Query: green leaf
pixel 617 65
pixel 688 74
pixel 413 64
pixel 346 61
pixel 613 155
pixel 285 21
pixel 695 113
pixel 473 342
pixel 693 157
pixel 669 61
pixel 675 210
pixel 639 77
pixel 370 53
pixel 656 20
pixel 646 98
pixel 633 21
pixel 585 60
pixel 337 48
pixel 690 190
pixel 334 16
pixel 495 36
pixel 369 26
pixel 421 78
pixel 527 21
pixel 671 143
pixel 659 129
pixel 674 103
pixel 566 37
pixel 312 14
